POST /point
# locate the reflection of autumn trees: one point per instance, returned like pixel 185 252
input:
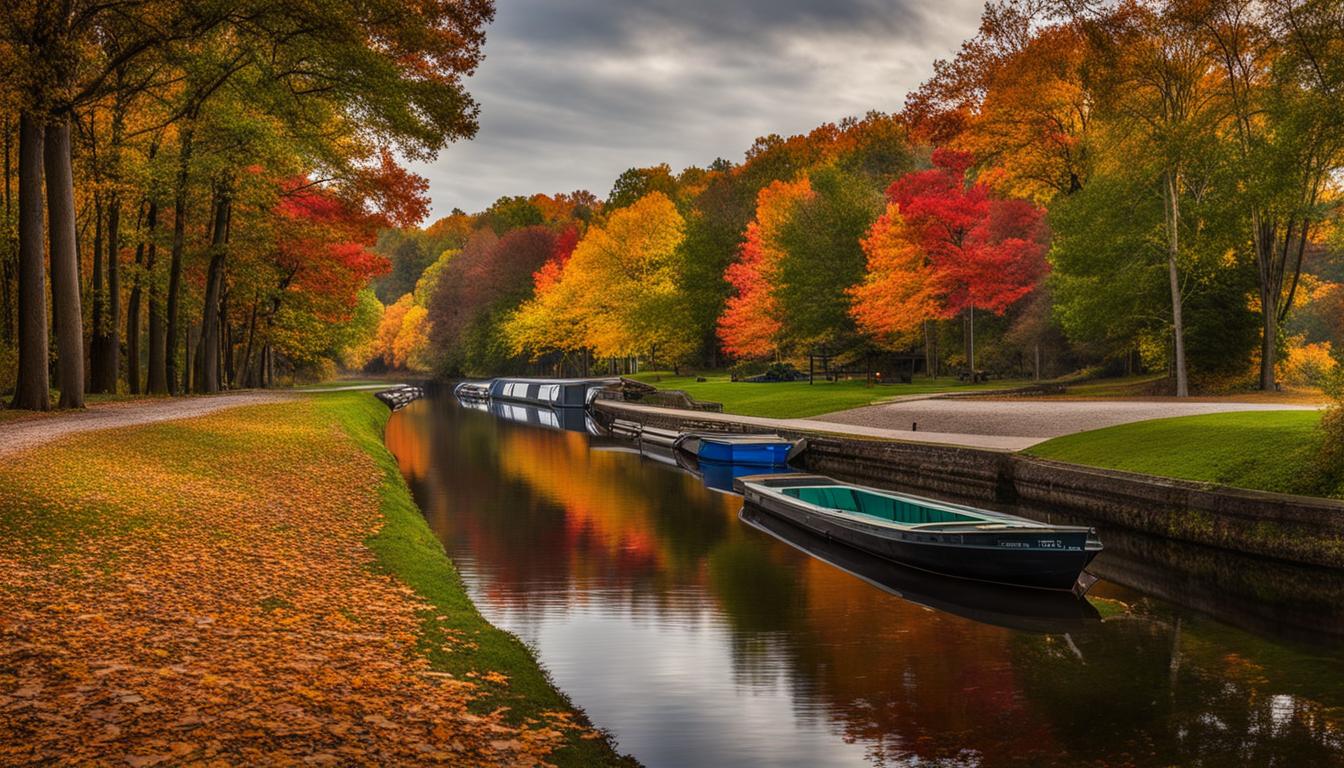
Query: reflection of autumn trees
pixel 548 517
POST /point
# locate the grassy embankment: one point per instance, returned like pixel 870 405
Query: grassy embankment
pixel 408 549
pixel 117 542
pixel 798 399
pixel 1261 450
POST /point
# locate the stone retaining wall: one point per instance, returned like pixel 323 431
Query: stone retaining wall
pixel 1293 528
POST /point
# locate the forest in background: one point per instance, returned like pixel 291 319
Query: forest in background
pixel 1137 186
pixel 192 189
pixel 206 195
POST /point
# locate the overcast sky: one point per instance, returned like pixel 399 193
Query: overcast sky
pixel 573 92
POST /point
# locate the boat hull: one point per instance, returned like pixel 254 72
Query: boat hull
pixel 1037 559
pixel 755 454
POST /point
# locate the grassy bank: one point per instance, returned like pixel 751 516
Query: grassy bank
pixel 798 399
pixel 1260 450
pixel 254 586
pixel 408 549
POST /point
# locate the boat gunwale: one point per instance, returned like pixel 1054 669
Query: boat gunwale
pixel 986 516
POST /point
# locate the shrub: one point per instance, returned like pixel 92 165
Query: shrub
pixel 1308 365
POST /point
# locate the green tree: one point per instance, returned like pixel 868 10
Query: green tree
pixel 823 258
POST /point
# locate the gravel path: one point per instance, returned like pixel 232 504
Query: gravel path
pixel 29 433
pixel 1038 419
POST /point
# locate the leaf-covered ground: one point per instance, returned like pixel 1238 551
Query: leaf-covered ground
pixel 233 589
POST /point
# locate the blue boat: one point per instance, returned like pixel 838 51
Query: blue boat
pixel 740 450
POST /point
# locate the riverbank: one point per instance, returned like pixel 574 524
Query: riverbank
pixel 1297 529
pixel 252 585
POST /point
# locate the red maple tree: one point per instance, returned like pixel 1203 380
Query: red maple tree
pixel 984 252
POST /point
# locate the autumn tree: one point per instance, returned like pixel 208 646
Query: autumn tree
pixel 822 258
pixel 751 324
pixel 899 294
pixel 986 252
pixel 621 286
pixel 1280 87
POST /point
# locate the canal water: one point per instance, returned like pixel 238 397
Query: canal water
pixel 701 634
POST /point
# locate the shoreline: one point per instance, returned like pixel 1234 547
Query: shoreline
pixel 1296 529
pixel 257 585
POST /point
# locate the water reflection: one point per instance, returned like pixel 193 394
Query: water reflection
pixel 701 640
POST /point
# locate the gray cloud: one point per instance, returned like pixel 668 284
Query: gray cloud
pixel 572 93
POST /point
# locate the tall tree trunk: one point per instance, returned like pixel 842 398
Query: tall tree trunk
pixel 32 388
pixel 156 376
pixel 113 361
pixel 10 246
pixel 1273 259
pixel 97 297
pixel 175 262
pixel 1173 211
pixel 968 336
pixel 106 360
pixel 245 365
pixel 133 323
pixel 64 264
pixel 207 353
pixel 112 335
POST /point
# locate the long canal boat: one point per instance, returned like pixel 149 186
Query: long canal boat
pixel 935 536
pixel 551 393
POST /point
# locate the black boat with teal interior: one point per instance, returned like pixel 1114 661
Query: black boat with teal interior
pixel 936 536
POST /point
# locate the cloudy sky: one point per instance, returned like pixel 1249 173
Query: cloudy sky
pixel 573 92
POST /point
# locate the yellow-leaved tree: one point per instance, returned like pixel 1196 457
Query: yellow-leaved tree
pixel 618 294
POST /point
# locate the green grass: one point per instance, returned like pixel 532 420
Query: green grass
pixel 798 399
pixel 408 549
pixel 1260 450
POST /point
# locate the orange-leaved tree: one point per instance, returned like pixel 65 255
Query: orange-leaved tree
pixel 900 292
pixel 750 324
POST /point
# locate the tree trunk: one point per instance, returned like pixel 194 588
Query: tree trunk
pixel 11 247
pixel 1173 250
pixel 108 330
pixel 156 376
pixel 189 340
pixel 1269 308
pixel 32 388
pixel 64 264
pixel 207 353
pixel 133 307
pixel 98 293
pixel 175 262
pixel 970 340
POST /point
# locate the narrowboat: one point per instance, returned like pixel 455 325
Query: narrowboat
pixel 936 536
pixel 551 393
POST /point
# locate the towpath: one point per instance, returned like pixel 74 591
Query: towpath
pixel 26 433
pixel 994 424
pixel 1028 420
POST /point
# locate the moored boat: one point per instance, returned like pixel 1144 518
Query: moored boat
pixel 1025 610
pixel 740 449
pixel 936 536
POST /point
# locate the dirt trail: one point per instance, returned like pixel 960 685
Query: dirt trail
pixel 29 433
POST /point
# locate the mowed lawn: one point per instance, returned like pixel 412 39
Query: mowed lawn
pixel 798 399
pixel 1261 450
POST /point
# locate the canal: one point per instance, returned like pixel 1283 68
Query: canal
pixel 698 633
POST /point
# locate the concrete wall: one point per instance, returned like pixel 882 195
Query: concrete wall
pixel 1293 528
